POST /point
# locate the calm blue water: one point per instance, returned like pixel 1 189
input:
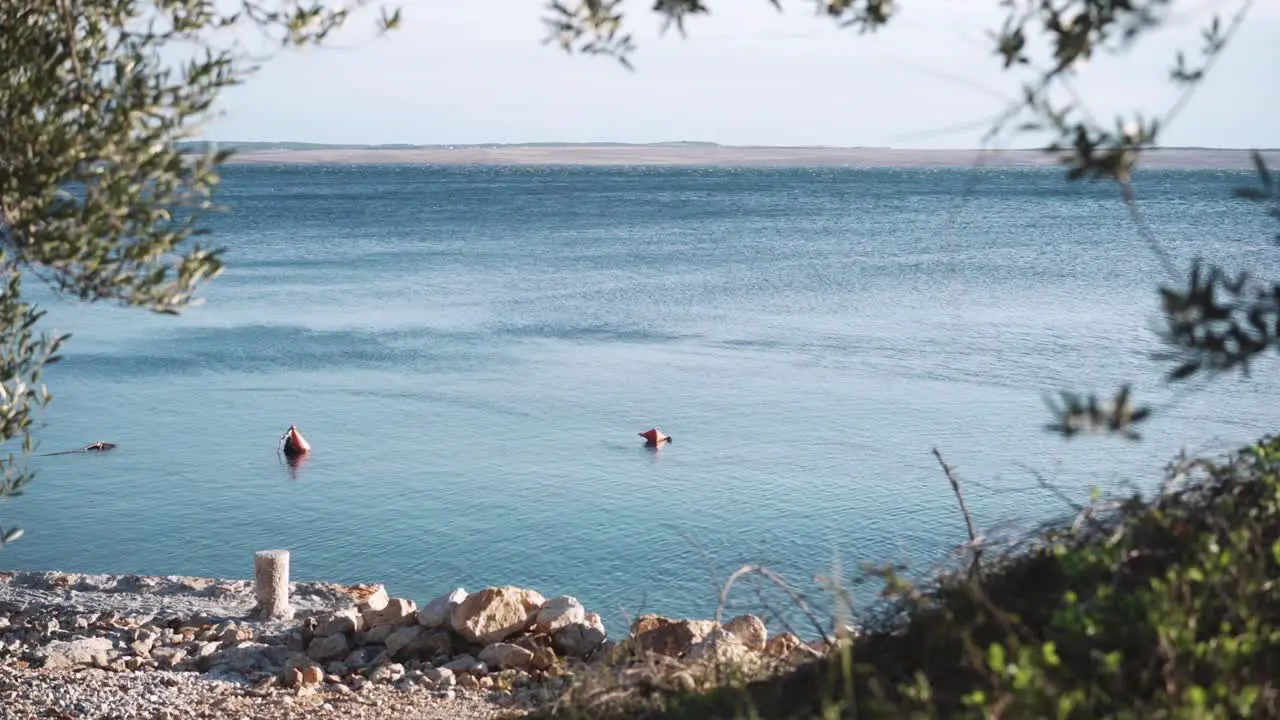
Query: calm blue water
pixel 472 351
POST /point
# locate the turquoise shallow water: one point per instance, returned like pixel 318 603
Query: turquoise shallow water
pixel 472 351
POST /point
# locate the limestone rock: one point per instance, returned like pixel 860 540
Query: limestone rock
pixel 326 648
pixel 559 613
pixel 432 643
pixel 370 597
pixel 404 638
pixel 495 614
pixel 788 647
pixel 143 642
pixel 234 635
pixel 246 657
pixel 388 673
pixel 312 675
pixel 465 665
pixel 294 640
pixel 360 657
pixel 664 636
pixel 347 621
pixel 436 613
pixel 719 648
pixel 440 677
pixel 396 613
pixel 749 630
pixel 375 636
pixel 501 656
pixel 167 657
pixel 205 649
pixel 273 655
pixel 580 639
pixel 92 651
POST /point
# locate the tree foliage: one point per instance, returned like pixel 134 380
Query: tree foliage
pixel 97 200
pixel 1213 323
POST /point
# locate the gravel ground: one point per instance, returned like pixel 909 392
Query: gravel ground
pixel 98 694
pixel 88 693
pixel 160 597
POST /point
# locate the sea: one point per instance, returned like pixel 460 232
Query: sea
pixel 473 350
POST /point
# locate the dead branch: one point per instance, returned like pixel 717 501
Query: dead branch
pixel 964 510
pixel 781 584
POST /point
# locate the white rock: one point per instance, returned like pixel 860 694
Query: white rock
pixel 559 613
pixel 436 613
pixel 244 657
pixel 84 651
pixel 389 673
pixel 375 636
pixel 360 657
pixel 580 639
pixel 750 630
pixel 167 657
pixel 495 614
pixel 374 601
pixel 403 638
pixel 145 640
pixel 348 621
pixel 326 648
pixel 462 664
pixel 396 613
pixel 441 677
pixel 501 656
pixel 719 647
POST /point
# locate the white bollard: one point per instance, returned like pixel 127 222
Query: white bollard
pixel 271 577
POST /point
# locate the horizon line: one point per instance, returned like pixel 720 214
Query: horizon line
pixel 302 144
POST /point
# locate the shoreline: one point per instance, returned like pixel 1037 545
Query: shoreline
pixel 718 156
pixel 184 647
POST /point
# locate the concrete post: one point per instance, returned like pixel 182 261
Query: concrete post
pixel 271 578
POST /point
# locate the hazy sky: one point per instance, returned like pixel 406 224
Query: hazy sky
pixel 474 71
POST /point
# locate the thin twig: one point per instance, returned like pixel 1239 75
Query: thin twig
pixel 1185 97
pixel 1049 487
pixel 777 580
pixel 968 519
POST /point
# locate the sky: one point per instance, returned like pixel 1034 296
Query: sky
pixel 476 71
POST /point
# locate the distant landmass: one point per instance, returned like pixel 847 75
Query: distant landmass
pixel 690 153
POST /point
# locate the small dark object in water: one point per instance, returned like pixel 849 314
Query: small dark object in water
pixel 91 447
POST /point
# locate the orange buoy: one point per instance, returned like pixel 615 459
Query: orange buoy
pixel 654 437
pixel 294 444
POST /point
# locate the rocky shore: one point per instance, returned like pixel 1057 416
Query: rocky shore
pixel 99 646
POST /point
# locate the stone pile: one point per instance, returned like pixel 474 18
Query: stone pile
pixel 497 638
pixel 509 642
pixel 742 642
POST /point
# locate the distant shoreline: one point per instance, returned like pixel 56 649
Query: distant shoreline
pixel 701 154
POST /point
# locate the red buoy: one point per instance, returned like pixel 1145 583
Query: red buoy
pixel 294 444
pixel 654 437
